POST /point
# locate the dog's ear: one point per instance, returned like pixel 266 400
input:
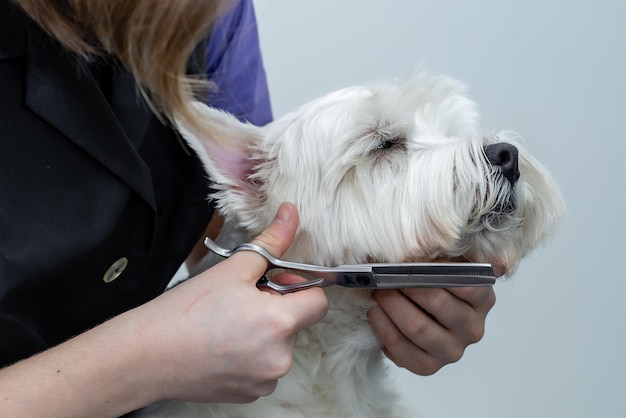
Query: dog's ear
pixel 228 149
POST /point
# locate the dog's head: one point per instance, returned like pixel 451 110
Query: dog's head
pixel 385 173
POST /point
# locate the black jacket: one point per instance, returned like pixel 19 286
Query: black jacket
pixel 99 201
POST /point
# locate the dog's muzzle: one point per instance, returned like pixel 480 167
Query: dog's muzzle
pixel 505 156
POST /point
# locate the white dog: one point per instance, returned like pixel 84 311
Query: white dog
pixel 382 173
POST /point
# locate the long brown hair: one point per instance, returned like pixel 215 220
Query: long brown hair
pixel 152 38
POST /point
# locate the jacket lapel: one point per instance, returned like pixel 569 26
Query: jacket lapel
pixel 61 91
pixel 129 107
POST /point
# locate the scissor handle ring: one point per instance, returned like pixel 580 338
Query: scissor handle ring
pixel 265 283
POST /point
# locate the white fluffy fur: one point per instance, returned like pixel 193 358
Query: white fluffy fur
pixel 387 173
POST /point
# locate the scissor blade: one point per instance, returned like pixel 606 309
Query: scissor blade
pixel 436 269
pixel 397 281
pixel 405 275
pixel 434 275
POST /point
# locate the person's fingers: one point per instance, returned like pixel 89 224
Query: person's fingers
pixel 442 305
pixel 307 306
pixel 481 298
pixel 398 348
pixel 420 327
pixel 459 310
pixel 425 329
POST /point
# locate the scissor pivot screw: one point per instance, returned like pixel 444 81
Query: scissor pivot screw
pixel 363 280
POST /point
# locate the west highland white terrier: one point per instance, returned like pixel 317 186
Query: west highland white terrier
pixel 390 172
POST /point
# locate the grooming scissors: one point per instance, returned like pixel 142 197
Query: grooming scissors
pixel 368 276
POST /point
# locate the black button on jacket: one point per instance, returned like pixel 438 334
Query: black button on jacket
pixel 99 201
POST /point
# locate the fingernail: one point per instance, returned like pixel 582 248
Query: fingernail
pixel 283 214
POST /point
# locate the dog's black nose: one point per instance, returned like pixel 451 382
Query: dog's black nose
pixel 505 156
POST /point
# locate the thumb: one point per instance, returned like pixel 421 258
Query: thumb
pixel 276 238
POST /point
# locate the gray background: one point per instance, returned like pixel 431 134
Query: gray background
pixel 554 72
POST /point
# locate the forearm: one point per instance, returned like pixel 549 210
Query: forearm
pixel 102 372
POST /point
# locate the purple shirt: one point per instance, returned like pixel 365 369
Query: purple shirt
pixel 235 65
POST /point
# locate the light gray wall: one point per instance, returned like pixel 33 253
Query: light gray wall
pixel 554 72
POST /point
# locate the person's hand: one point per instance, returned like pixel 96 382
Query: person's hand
pixel 422 330
pixel 215 337
pixel 218 338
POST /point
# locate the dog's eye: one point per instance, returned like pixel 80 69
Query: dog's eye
pixel 385 144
